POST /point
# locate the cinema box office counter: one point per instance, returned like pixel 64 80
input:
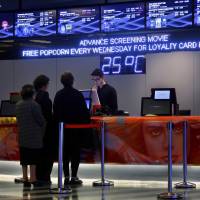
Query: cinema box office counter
pixel 129 140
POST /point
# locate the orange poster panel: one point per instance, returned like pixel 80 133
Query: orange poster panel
pixel 9 149
pixel 143 142
pixel 128 140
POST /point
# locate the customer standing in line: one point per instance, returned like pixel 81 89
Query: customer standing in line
pixel 44 168
pixel 31 125
pixel 70 107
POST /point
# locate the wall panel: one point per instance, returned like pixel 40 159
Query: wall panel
pixel 26 70
pixel 81 67
pixel 6 78
pixel 172 70
pixel 180 70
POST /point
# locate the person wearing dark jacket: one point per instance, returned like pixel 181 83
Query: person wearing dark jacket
pixel 70 107
pixel 107 94
pixel 44 168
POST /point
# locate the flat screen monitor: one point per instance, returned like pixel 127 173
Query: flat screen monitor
pixel 169 14
pixel 79 20
pixel 37 23
pixel 15 97
pixel 197 12
pixel 88 103
pixel 164 94
pixel 6 25
pixel 7 108
pixel 155 107
pixel 123 17
pixel 87 94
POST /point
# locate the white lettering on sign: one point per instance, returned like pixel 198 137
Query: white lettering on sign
pixel 158 38
pixel 188 45
pixel 30 53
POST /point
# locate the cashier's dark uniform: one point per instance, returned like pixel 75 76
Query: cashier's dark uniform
pixel 108 99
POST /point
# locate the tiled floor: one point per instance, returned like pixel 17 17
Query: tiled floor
pixel 123 190
pixel 131 183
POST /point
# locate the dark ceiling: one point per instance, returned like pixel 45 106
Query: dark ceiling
pixel 11 5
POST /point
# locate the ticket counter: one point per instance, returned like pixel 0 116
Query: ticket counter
pixel 128 140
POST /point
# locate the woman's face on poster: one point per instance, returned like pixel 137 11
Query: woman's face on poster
pixel 156 141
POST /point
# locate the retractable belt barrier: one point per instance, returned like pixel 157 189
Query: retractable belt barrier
pixel 184 183
pixel 62 126
pixel 169 194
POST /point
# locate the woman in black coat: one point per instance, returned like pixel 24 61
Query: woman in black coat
pixel 44 168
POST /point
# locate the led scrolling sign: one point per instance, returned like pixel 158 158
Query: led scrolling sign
pixel 125 54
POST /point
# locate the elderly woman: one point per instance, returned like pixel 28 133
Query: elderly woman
pixel 31 125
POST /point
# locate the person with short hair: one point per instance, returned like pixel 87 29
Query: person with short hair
pixel 31 125
pixel 69 107
pixel 44 168
pixel 107 94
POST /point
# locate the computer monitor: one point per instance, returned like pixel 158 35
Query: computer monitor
pixel 155 107
pixel 7 108
pixel 91 99
pixel 15 97
pixel 164 94
pixel 88 103
pixel 87 94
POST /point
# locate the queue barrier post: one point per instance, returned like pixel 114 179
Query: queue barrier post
pixel 184 184
pixel 60 189
pixel 169 194
pixel 103 181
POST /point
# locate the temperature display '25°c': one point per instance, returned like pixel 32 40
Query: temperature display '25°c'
pixel 123 64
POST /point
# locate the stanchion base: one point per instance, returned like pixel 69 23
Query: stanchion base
pixel 103 183
pixel 19 180
pixel 169 195
pixel 185 185
pixel 61 191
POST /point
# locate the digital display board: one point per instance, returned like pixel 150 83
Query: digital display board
pixel 169 14
pixel 122 17
pixel 197 12
pixel 123 64
pixel 38 23
pixel 6 25
pixel 79 21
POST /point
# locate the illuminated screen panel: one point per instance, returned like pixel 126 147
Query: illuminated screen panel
pixel 162 94
pixel 38 23
pixel 122 17
pixel 123 64
pixel 169 14
pixel 197 13
pixel 6 25
pixel 78 21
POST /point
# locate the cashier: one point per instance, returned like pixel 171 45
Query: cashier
pixel 107 94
